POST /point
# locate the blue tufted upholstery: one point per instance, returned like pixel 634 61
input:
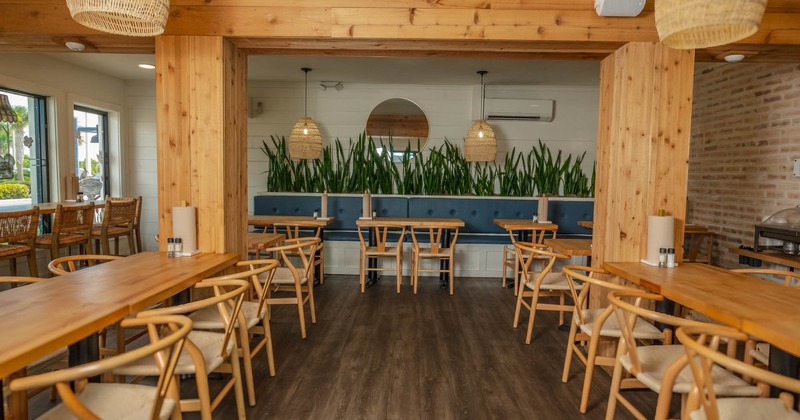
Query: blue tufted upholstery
pixel 477 213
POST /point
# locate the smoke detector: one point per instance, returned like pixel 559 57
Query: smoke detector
pixel 75 46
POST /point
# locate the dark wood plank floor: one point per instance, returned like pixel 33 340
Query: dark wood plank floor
pixel 387 356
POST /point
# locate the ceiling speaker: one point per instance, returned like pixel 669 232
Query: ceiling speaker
pixel 627 8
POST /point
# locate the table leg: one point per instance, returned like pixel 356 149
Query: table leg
pixel 785 364
pixel 85 351
pixel 372 276
pixel 444 265
pixel 665 306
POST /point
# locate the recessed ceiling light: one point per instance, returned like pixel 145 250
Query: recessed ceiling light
pixel 147 66
pixel 75 46
pixel 734 58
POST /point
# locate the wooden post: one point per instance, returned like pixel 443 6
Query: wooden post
pixel 201 92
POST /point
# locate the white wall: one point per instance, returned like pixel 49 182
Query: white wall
pixel 140 103
pixel 450 111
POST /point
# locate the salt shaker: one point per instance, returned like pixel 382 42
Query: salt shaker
pixel 671 258
pixel 178 247
pixel 79 198
pixel 170 247
pixel 662 257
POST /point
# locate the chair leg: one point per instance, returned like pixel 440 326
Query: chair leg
pixel 561 301
pixel 237 384
pixel 534 304
pixel 503 275
pixel 414 270
pixel 244 342
pixel 399 269
pixel 573 331
pixel 300 313
pixel 131 244
pixel 516 275
pixel 310 291
pixel 594 342
pixel 203 394
pixel 268 345
pixel 12 266
pixel 616 380
pixel 362 269
pixel 138 240
pixel 452 276
pixel 33 269
pixel 517 310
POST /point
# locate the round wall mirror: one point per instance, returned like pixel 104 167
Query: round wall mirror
pixel 400 120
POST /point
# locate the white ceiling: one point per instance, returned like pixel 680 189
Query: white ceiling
pixel 372 70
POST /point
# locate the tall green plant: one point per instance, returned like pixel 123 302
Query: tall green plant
pixel 483 179
pixel 549 171
pixel 575 181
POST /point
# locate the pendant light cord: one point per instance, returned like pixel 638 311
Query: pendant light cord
pixel 483 93
pixel 305 98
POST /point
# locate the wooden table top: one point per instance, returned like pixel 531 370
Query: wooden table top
pixel 43 317
pixel 586 223
pixel 756 306
pixel 269 220
pixel 50 208
pixel 524 224
pixel 573 247
pixel 692 228
pixel 425 222
pixel 257 240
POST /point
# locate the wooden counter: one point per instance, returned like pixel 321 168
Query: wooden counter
pixel 573 247
pixel 770 255
pixel 425 222
pixel 269 220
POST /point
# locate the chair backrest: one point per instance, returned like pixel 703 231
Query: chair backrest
pixel 167 337
pixel 627 315
pixel 383 233
pixel 73 220
pixel 434 237
pixel 700 247
pixel 69 264
pixel 527 252
pixel 138 217
pixel 701 343
pixel 790 278
pixel 7 282
pixel 119 213
pixel 295 230
pixel 19 226
pixel 537 235
pixel 594 282
pixel 228 295
pixel 256 270
pixel 305 248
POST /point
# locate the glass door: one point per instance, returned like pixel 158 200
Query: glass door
pixel 91 152
pixel 23 150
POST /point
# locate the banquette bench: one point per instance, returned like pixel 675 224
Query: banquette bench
pixel 478 213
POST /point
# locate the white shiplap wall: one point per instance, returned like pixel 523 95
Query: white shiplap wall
pixel 140 102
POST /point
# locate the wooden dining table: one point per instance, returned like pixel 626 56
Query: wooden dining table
pixel 40 318
pixel 759 307
pixel 269 220
pixel 421 222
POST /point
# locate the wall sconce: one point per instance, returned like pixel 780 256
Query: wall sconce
pixel 255 108
pixel 331 84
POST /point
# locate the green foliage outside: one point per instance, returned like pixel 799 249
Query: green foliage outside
pixel 94 164
pixel 14 190
pixel 440 171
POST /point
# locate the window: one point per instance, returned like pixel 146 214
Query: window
pixel 23 152
pixel 91 152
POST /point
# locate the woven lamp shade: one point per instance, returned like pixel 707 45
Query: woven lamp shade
pixel 305 146
pixel 122 17
pixel 687 24
pixel 7 113
pixel 480 149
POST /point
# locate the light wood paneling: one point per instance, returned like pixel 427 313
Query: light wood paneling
pixel 643 147
pixel 201 99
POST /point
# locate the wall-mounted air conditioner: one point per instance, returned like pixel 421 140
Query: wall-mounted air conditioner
pixel 519 109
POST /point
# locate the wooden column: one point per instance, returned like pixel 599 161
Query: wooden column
pixel 201 91
pixel 642 147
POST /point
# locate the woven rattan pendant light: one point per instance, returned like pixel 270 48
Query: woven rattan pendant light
pixel 480 145
pixel 687 24
pixel 122 17
pixel 305 142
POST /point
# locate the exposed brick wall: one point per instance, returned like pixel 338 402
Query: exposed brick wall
pixel 745 137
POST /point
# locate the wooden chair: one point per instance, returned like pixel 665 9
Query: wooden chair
pixel 384 247
pixel 539 284
pixel 110 400
pixel 205 351
pixel 72 226
pixel 298 230
pixel 510 259
pixel 53 361
pixel 294 279
pixel 65 265
pixel 18 238
pixel 432 250
pixel 701 344
pixel 252 315
pixel 137 222
pixel 699 247
pixel 660 368
pixel 595 325
pixel 118 221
